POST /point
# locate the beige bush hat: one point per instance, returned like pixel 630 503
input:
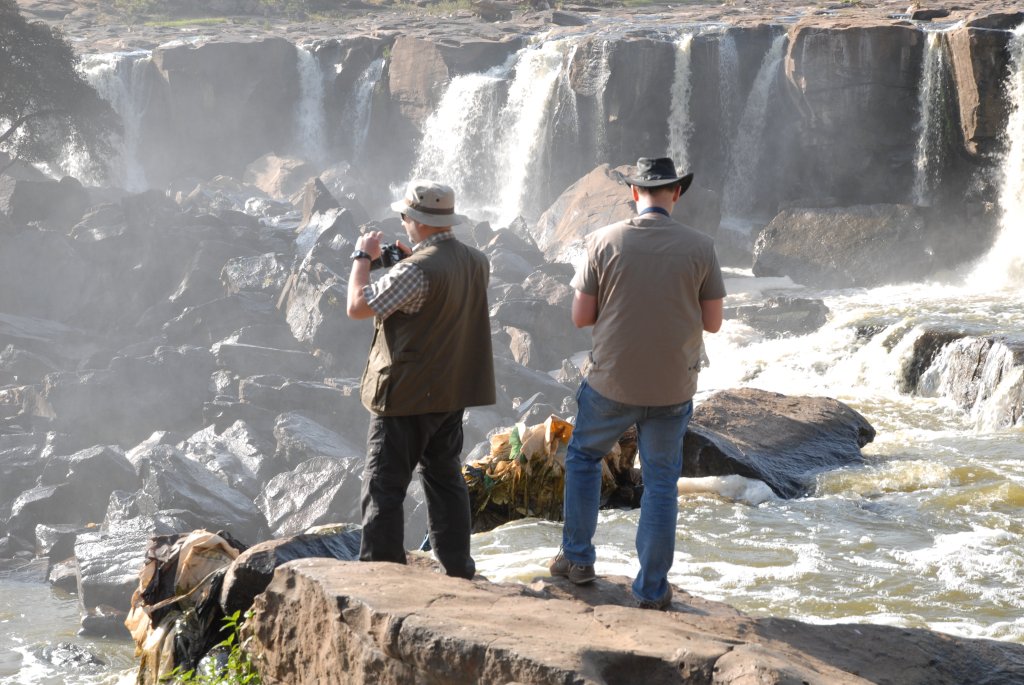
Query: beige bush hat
pixel 429 203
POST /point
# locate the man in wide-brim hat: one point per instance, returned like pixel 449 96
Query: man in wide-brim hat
pixel 430 359
pixel 650 287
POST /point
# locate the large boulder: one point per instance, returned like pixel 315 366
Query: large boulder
pixel 241 457
pixel 781 440
pixel 300 438
pixel 108 563
pixel 252 571
pixel 279 177
pixel 322 620
pixel 73 489
pixel 20 466
pixel 134 395
pixel 171 480
pixel 864 245
pixel 318 491
pixel 56 204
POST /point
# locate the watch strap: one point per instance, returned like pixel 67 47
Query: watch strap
pixel 360 254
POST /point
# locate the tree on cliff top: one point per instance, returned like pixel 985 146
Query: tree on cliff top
pixel 45 103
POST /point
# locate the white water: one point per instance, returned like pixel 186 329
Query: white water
pixel 931 107
pixel 748 143
pixel 1004 265
pixel 120 79
pixel 728 78
pixel 360 107
pixel 680 127
pixel 474 132
pixel 310 141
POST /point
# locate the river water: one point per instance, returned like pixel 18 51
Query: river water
pixel 929 532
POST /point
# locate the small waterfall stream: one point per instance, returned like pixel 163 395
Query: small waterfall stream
pixel 933 96
pixel 310 141
pixel 120 79
pixel 680 126
pixel 1004 265
pixel 748 143
pixel 360 107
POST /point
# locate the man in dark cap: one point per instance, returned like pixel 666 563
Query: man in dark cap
pixel 650 287
pixel 429 360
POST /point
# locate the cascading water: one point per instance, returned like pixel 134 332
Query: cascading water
pixel 728 77
pixel 680 127
pixel 360 107
pixel 310 141
pixel 748 143
pixel 460 139
pixel 478 143
pixel 1004 265
pixel 931 106
pixel 121 79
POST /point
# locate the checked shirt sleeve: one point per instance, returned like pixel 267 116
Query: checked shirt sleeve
pixel 403 288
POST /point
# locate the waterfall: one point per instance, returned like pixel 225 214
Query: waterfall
pixel 486 146
pixel 748 143
pixel 1004 265
pixel 309 116
pixel 680 127
pixel 460 139
pixel 360 106
pixel 728 77
pixel 931 106
pixel 120 79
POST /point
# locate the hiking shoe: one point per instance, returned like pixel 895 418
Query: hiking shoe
pixel 579 574
pixel 656 604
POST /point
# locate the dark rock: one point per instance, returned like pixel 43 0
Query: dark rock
pixel 201 282
pixel 170 480
pixel 318 491
pixel 548 325
pixel 57 204
pixel 20 466
pixel 925 349
pixel 265 273
pixel 73 489
pixel 562 18
pixel 316 198
pixel 68 656
pixel 101 222
pixel 56 542
pixel 782 316
pixel 321 230
pixel 252 360
pixel 279 177
pixel 108 566
pixel 63 575
pixel 929 14
pixel 239 456
pixel 43 275
pixel 253 570
pixel 221 413
pixel 783 441
pixel 300 439
pixel 104 621
pixel 133 395
pixel 334 403
pixel 860 246
pixel 22 366
pixel 518 381
pixel 207 323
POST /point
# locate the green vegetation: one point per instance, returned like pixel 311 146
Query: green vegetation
pixel 236 668
pixel 46 106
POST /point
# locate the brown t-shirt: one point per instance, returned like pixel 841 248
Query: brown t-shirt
pixel 649 274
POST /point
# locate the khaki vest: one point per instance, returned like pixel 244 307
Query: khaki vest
pixel 438 359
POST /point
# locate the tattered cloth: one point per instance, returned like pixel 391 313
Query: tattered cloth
pixel 524 475
pixel 175 609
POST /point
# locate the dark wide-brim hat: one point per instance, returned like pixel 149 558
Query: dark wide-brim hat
pixel 658 172
pixel 429 203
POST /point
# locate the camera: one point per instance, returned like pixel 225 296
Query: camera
pixel 390 254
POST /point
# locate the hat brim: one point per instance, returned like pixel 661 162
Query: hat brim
pixel 682 181
pixel 436 220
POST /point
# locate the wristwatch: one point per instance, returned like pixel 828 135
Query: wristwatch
pixel 360 254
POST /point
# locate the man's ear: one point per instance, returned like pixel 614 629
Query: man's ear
pixel 677 194
pixel 636 193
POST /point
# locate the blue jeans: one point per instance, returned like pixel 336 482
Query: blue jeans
pixel 599 424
